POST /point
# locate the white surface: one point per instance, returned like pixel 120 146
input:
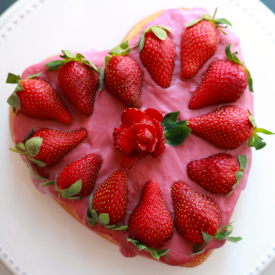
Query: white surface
pixel 36 235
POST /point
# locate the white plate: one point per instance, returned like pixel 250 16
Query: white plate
pixel 36 235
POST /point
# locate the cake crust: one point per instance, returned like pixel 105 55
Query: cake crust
pixel 130 35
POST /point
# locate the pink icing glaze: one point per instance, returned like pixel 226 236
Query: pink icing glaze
pixel 171 166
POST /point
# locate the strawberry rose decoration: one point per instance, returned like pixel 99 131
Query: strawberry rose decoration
pixel 139 135
pixel 146 132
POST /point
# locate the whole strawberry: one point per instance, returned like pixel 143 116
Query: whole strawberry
pixel 78 178
pixel 223 82
pixel 227 127
pixel 107 205
pixel 123 76
pixel 48 146
pixel 219 173
pixel 199 42
pixel 37 98
pixel 197 218
pixel 78 80
pixel 151 223
pixel 157 53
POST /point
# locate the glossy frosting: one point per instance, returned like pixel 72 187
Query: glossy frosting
pixel 171 166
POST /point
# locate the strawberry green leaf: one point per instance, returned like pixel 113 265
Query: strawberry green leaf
pixel 34 75
pixel 18 151
pixel 14 101
pixel 104 218
pixel 194 22
pixel 222 21
pixel 252 119
pixel 33 146
pixel 250 81
pixel 122 49
pixel 159 32
pixel 73 190
pixel 234 239
pixel 20 146
pixel 258 142
pixel 177 135
pixel 170 118
pixel 38 162
pixel 165 28
pixel 242 161
pixel 178 123
pixel 197 250
pixel 29 134
pixel 47 183
pixel 251 141
pixel 34 175
pixel 155 253
pixel 91 221
pixel 206 237
pixel 68 54
pixel 228 52
pixel 224 227
pixel 54 65
pixel 117 227
pixel 13 79
pixel 141 41
pixel 264 131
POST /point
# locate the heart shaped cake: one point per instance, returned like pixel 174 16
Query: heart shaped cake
pixel 152 150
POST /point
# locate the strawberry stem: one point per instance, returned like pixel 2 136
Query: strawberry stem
pixel 255 140
pixel 103 219
pixel 155 253
pixel 221 234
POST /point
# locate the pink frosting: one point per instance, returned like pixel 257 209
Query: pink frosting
pixel 167 169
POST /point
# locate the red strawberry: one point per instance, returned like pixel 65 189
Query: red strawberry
pixel 37 98
pixel 151 223
pixel 110 199
pixel 197 218
pixel 224 81
pixel 194 213
pixel 123 76
pixel 78 178
pixel 48 146
pixel 218 173
pixel 157 53
pixel 78 80
pixel 199 42
pixel 227 127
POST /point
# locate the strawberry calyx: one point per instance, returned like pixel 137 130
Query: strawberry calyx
pixel 14 100
pixel 30 147
pixel 233 58
pixel 103 219
pixel 175 131
pixel 239 174
pixel 255 140
pixel 67 57
pixel 216 22
pixel 155 253
pixel 160 32
pixel 69 193
pixel 122 50
pixel 221 234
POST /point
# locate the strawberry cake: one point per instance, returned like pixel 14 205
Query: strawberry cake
pixel 148 144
